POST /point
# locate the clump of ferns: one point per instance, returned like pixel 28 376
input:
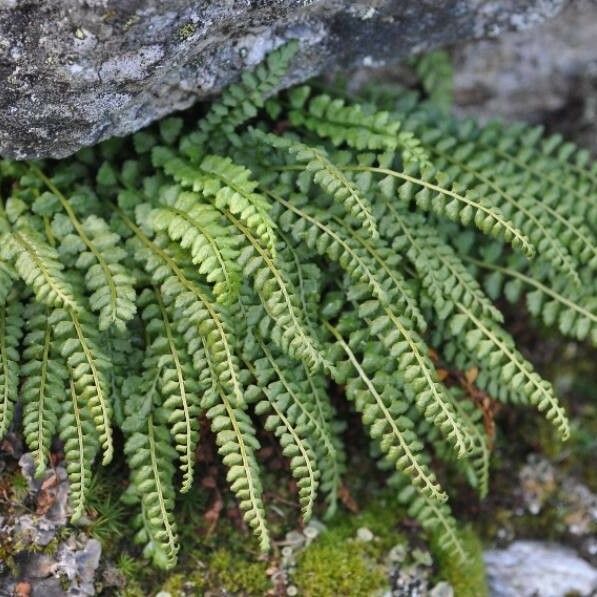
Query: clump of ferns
pixel 233 268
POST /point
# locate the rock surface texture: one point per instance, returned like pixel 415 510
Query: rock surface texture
pixel 546 75
pixel 532 568
pixel 73 73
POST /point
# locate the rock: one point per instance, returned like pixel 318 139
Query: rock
pixel 69 572
pixel 537 483
pixel 365 535
pixel 410 581
pixel 65 566
pixel 442 589
pixel 531 568
pixel 548 75
pixel 74 73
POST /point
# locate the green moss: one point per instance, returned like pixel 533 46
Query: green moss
pixel 186 31
pixel 339 564
pixel 467 580
pixel 236 575
pixel 334 567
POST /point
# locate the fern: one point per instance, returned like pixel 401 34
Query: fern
pixel 11 331
pixel 43 386
pixel 236 268
pixel 80 447
pixel 150 458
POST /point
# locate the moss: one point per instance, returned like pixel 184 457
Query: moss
pixel 334 567
pixel 338 564
pixel 468 580
pixel 186 31
pixel 236 575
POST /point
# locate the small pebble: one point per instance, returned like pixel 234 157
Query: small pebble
pixel 397 554
pixel 422 557
pixel 442 589
pixel 286 551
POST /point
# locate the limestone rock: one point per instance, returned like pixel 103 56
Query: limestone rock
pixel 529 568
pixel 73 73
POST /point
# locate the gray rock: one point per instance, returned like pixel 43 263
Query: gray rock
pixel 442 589
pixel 67 566
pixel 75 72
pixel 532 568
pixel 548 75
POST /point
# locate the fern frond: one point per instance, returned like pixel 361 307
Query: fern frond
pixel 213 246
pixel 241 101
pixel 315 231
pixel 230 187
pixel 237 444
pixel 11 323
pixel 78 338
pixel 295 447
pixel 193 304
pixel 435 517
pixel 37 263
pixel 150 458
pixel 331 118
pixel 327 175
pixel 418 374
pixel 279 300
pixel 44 384
pixel 113 295
pixel 383 411
pixel 442 273
pixel 573 310
pixel 435 72
pixel 178 384
pixel 495 348
pixel 80 446
pixel 436 192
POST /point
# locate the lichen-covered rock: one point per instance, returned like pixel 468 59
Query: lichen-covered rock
pixel 546 75
pixel 529 568
pixel 43 561
pixel 74 72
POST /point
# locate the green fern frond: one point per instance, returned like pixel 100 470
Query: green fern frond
pixel 435 517
pixel 327 175
pixel 78 338
pixel 295 446
pixel 241 101
pixel 44 384
pixel 178 385
pixel 493 347
pixel 38 264
pixel 111 286
pixel 78 433
pixel 213 246
pixel 331 118
pixel 230 187
pixel 150 458
pixel 383 410
pixel 11 323
pixel 237 444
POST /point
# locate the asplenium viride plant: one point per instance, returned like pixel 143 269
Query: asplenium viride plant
pixel 233 268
